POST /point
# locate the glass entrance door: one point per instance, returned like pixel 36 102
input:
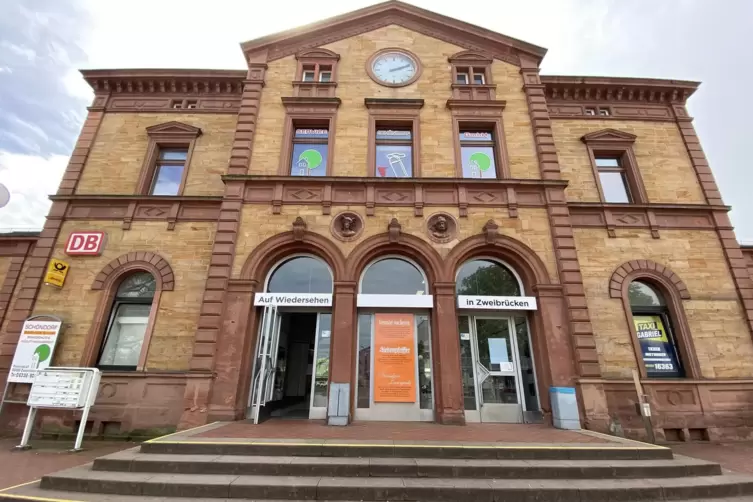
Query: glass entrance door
pixel 265 367
pixel 493 353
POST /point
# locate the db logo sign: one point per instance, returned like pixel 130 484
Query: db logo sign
pixel 85 243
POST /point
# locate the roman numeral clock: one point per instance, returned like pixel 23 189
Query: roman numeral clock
pixel 394 67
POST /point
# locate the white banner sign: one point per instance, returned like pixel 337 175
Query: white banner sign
pixel 34 350
pixel 400 301
pixel 64 388
pixel 293 299
pixel 497 302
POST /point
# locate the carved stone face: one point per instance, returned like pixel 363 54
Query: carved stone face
pixel 347 223
pixel 440 226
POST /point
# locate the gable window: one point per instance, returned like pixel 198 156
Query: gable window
pixel 470 75
pixel 310 151
pixel 316 72
pixel 653 327
pixel 394 152
pixel 477 154
pixel 168 171
pixel 613 179
pixel 129 318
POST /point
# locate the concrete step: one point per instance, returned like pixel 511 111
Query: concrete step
pixel 134 461
pixel 83 479
pixel 427 449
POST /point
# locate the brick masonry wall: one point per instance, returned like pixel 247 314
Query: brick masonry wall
pixel 748 255
pixel 717 325
pixel 258 224
pixel 354 84
pixel 659 150
pixel 187 249
pixel 117 157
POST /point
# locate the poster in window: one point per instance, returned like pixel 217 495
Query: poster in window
pixel 659 355
pixel 394 359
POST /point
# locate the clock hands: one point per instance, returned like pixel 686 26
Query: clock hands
pixel 399 68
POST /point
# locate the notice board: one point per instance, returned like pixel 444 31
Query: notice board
pixel 394 358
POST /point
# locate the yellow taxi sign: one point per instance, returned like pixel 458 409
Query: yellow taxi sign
pixel 57 270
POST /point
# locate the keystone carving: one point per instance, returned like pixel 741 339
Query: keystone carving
pixel 299 229
pixel 393 230
pixel 491 230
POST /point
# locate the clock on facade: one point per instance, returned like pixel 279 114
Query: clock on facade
pixel 394 67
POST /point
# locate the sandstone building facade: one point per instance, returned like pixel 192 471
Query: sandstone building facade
pixel 444 233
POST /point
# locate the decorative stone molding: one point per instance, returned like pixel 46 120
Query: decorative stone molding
pixel 151 262
pixel 413 18
pixel 649 267
pixel 347 226
pixel 609 136
pixel 299 228
pixel 616 90
pixel 491 231
pixel 166 91
pixel 441 227
pixel 393 230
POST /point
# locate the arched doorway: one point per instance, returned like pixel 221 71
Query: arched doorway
pixel 393 361
pixel 497 366
pixel 291 367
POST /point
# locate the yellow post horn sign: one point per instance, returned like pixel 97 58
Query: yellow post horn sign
pixel 57 271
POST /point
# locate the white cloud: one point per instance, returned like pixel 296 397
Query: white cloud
pixel 30 180
pixel 26 52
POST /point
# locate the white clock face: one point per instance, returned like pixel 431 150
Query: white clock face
pixel 394 68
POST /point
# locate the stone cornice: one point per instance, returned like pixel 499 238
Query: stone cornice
pixel 156 81
pixel 617 89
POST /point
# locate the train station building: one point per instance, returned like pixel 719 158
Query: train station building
pixel 390 215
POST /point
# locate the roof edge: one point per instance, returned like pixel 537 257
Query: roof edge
pixel 162 73
pixel 627 81
pixel 393 6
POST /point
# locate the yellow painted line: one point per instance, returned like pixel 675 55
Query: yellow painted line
pixel 616 439
pixel 38 499
pixel 178 432
pixel 19 486
pixel 357 445
pixel 29 497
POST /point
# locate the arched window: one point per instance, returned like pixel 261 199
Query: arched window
pixel 301 274
pixel 486 278
pixel 129 317
pixel 393 276
pixel 653 327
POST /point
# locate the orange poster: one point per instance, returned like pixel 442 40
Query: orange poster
pixel 394 359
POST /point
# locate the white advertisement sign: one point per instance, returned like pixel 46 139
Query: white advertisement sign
pixel 56 388
pixel 34 350
pixel 497 302
pixel 399 301
pixel 293 299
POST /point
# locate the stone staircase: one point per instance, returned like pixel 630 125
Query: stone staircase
pixel 370 471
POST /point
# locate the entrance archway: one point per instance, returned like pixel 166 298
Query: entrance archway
pixel 498 373
pixel 393 360
pixel 291 366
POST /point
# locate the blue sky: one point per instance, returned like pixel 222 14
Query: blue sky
pixel 44 42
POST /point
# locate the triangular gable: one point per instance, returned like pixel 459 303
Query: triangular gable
pixel 360 21
pixel 173 127
pixel 609 135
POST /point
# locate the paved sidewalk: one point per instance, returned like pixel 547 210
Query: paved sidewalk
pixel 46 457
pixel 733 456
